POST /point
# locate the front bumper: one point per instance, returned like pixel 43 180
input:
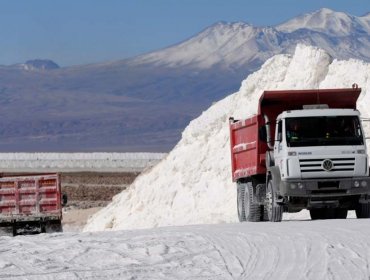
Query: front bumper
pixel 325 187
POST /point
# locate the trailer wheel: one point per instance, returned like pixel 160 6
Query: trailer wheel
pixel 274 210
pixel 252 209
pixel 240 201
pixel 363 210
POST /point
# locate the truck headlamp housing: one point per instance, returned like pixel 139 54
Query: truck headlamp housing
pixel 362 152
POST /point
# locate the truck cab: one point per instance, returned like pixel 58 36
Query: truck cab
pixel 322 160
pixel 304 139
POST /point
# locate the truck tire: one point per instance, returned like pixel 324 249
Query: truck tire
pixel 274 210
pixel 363 210
pixel 252 209
pixel 240 201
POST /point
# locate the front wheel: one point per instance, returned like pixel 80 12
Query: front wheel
pixel 274 210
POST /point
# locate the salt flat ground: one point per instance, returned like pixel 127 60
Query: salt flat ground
pixel 326 249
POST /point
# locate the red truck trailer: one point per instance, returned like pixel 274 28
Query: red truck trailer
pixel 322 167
pixel 30 204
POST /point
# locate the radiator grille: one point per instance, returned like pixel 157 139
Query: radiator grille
pixel 316 164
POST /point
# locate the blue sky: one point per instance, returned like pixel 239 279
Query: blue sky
pixel 74 32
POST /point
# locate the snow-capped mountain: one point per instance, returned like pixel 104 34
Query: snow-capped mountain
pixel 225 44
pixel 143 103
pixel 328 22
pixel 235 45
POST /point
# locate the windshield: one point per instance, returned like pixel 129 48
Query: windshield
pixel 323 131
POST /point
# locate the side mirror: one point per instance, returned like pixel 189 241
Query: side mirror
pixel 64 199
pixel 262 133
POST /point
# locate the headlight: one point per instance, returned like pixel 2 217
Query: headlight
pixel 363 184
pixel 293 186
pixel 356 184
pixel 292 153
pixel 362 152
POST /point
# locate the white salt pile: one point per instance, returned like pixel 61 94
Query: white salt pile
pixel 192 185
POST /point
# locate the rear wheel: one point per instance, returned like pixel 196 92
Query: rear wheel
pixel 252 210
pixel 240 202
pixel 274 210
pixel 363 210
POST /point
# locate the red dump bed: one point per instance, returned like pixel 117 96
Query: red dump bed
pixel 30 198
pixel 248 153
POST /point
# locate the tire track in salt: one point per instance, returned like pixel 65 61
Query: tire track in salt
pixel 332 249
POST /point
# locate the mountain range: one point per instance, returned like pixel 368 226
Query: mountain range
pixel 143 103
